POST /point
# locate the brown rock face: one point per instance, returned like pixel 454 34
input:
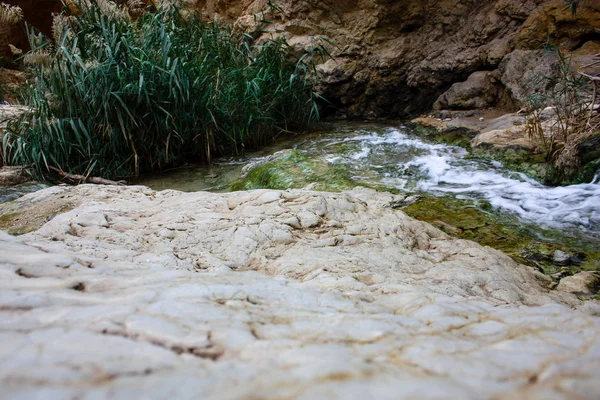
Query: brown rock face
pixel 481 90
pixel 395 58
pixel 38 14
pixel 392 58
pixel 554 23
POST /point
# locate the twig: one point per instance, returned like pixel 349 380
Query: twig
pixel 592 77
pixel 81 178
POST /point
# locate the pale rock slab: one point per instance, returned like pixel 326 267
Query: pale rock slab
pixel 276 294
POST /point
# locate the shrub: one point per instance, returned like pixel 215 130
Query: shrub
pixel 565 116
pixel 116 97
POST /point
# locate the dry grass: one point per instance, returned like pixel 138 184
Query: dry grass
pixel 10 15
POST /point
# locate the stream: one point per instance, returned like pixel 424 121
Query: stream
pixel 465 196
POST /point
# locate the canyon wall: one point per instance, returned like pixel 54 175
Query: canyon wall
pixel 395 58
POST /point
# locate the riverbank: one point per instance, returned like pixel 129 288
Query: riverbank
pixel 506 137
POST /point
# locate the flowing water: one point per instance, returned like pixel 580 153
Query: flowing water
pixel 442 169
pixel 8 193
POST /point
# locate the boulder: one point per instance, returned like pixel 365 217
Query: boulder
pixel 528 72
pixel 505 131
pixel 11 176
pixel 481 90
pixel 582 283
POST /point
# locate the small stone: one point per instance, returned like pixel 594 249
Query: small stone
pixel 561 258
pixel 584 283
pixel 444 114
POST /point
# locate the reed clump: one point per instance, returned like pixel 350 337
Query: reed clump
pixel 116 96
pixel 560 120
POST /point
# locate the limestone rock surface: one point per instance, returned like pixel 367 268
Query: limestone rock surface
pixel 275 294
pixel 585 283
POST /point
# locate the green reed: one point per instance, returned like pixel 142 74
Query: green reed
pixel 119 97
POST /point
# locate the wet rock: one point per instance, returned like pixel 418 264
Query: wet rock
pixel 252 287
pixel 589 149
pixel 561 258
pixel 402 201
pixel 272 157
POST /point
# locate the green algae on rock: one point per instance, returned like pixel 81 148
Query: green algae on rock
pixel 296 169
pixel 525 243
pixel 21 216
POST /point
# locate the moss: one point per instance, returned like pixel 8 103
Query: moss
pixel 518 159
pixel 526 244
pixel 19 218
pixel 6 222
pixel 460 137
pixel 296 170
pixel 588 172
pixel 263 177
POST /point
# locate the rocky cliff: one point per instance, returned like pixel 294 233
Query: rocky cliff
pixel 395 58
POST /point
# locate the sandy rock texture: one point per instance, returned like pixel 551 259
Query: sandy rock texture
pixel 275 294
pixel 487 128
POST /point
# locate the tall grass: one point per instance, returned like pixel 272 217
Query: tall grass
pixel 118 97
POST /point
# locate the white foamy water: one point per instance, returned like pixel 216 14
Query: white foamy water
pixel 444 169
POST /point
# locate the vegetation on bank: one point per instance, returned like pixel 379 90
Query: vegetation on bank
pixel 572 120
pixel 115 95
